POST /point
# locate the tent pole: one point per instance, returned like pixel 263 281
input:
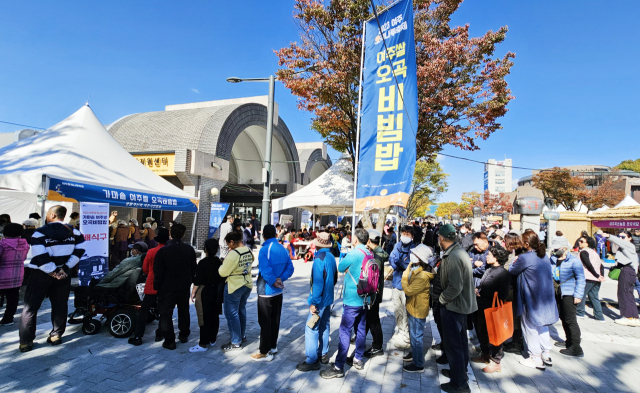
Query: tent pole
pixel 355 179
pixel 44 198
pixel 314 218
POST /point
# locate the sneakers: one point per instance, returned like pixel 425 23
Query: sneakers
pixel 449 388
pixel 412 368
pixel 262 357
pixel 442 360
pixel 408 357
pixel 54 340
pixel 482 358
pixel 531 363
pixel 574 351
pixel 332 372
pixel 169 345
pixel 273 351
pixel 560 344
pixel 197 348
pixel 324 359
pixel 135 341
pixel 357 364
pixel 373 352
pixel 492 368
pixel 546 359
pixel 26 347
pixel 633 322
pixel 581 316
pixel 3 323
pixel 231 347
pixel 304 366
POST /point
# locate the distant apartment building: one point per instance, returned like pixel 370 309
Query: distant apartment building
pixel 497 176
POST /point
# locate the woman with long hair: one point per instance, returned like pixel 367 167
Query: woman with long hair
pixel 535 300
pixel 513 244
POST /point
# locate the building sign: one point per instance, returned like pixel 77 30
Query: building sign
pixel 486 180
pixel 621 224
pixel 94 226
pixel 389 120
pixel 160 164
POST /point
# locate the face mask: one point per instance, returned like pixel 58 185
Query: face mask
pixel 405 239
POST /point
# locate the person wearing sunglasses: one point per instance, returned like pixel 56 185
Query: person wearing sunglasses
pixel 627 260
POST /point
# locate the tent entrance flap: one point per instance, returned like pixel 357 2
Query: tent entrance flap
pixel 69 191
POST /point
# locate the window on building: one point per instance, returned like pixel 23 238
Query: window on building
pixel 499 173
pixel 499 189
pixel 500 181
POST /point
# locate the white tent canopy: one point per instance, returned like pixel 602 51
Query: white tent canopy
pixel 331 193
pixel 627 201
pixel 82 153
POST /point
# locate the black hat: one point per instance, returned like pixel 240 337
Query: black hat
pixel 34 215
pixel 269 231
pixel 140 246
pixel 163 235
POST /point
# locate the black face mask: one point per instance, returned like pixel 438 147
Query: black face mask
pixel 558 253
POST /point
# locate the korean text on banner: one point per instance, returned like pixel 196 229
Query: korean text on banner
pixel 218 211
pixel 389 119
pixel 94 226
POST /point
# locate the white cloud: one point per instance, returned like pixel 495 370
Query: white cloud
pixel 195 90
pixel 440 157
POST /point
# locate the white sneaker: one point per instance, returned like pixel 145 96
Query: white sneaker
pixel 546 359
pixel 197 348
pixel 258 357
pixel 625 321
pixel 273 351
pixel 531 363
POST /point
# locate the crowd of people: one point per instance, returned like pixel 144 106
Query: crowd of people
pixel 457 273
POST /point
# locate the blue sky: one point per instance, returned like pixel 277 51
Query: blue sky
pixel 575 76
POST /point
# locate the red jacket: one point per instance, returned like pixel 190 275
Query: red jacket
pixel 147 268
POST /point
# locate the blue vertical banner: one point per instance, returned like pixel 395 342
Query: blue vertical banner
pixel 389 118
pixel 218 212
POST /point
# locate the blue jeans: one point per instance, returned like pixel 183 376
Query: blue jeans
pixel 591 290
pixel 352 318
pixel 416 334
pixel 316 340
pixel 456 345
pixel 602 251
pixel 235 311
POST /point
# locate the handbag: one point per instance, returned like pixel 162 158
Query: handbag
pixel 614 272
pixel 499 320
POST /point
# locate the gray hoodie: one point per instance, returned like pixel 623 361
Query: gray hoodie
pixel 626 254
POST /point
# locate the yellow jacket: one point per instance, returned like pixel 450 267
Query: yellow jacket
pixel 235 265
pixel 417 290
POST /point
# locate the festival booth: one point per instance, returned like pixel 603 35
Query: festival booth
pixel 77 160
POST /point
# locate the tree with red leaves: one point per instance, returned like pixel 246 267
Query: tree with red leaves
pixel 496 203
pixel 462 91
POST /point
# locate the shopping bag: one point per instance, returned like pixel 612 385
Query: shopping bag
pixel 499 321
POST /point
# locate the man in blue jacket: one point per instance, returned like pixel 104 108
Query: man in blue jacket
pixel 324 275
pixel 399 260
pixel 354 313
pixel 275 267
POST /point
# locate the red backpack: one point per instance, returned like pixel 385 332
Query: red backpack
pixel 367 284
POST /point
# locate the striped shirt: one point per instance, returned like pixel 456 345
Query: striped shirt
pixel 55 245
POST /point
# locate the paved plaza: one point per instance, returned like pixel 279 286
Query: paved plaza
pixel 103 363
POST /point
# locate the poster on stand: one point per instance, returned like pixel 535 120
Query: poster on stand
pixel 94 226
pixel 218 212
pixel 306 219
pixel 275 218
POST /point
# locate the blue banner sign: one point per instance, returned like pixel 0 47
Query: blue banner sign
pixel 218 211
pixel 69 191
pixel 389 119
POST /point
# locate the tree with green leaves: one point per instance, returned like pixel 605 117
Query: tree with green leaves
pixel 447 209
pixel 429 182
pixel 629 165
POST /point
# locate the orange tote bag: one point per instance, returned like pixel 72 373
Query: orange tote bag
pixel 499 321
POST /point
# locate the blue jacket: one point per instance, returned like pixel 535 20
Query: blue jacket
pixel 534 291
pixel 475 256
pixel 353 262
pixel 273 262
pixel 399 260
pixel 322 286
pixel 570 274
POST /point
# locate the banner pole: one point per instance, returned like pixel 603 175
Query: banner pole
pixel 355 178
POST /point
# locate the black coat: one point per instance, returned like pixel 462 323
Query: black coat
pixel 174 267
pixel 495 279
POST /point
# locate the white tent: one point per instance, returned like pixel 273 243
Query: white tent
pixel 78 160
pixel 626 202
pixel 603 208
pixel 331 193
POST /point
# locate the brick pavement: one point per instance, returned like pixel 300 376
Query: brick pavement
pixel 103 363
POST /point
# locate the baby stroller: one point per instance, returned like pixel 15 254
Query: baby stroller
pixel 116 307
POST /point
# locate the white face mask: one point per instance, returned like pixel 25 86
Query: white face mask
pixel 405 239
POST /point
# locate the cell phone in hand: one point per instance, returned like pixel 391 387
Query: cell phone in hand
pixel 313 321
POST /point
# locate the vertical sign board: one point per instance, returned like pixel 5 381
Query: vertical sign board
pixel 306 218
pixel 275 218
pixel 389 121
pixel 218 212
pixel 94 226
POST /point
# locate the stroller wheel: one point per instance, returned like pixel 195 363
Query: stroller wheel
pixel 121 324
pixel 91 327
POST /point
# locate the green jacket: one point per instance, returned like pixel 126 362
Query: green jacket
pixel 118 276
pixel 456 277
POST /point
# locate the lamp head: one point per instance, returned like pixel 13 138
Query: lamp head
pixel 234 79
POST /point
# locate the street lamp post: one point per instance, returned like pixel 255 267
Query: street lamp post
pixel 266 170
